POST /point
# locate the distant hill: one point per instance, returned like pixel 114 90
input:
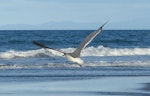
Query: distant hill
pixel 52 26
pixel 67 25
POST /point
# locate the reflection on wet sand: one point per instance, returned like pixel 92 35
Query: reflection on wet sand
pixel 97 93
pixel 109 86
pixel 146 87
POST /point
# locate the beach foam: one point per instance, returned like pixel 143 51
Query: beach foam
pixel 89 51
pixel 53 65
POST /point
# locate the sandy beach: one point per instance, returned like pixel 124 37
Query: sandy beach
pixel 108 86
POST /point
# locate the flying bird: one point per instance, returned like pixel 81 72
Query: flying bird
pixel 75 56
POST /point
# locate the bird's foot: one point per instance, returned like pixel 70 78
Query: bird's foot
pixel 80 65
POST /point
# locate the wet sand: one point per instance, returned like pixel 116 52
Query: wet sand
pixel 108 86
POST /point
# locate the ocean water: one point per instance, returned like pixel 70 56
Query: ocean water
pixel 112 53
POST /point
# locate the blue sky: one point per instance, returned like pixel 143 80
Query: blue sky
pixel 123 14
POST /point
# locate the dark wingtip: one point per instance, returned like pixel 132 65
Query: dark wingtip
pixel 43 46
pixel 104 23
pixel 33 41
pixel 39 44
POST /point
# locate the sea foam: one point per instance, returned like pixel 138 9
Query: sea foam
pixel 89 51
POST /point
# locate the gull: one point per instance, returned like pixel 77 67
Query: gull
pixel 75 56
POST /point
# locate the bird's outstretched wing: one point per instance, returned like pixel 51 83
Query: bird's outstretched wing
pixel 86 41
pixel 45 47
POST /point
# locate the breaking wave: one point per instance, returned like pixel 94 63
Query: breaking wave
pixel 89 51
pixel 68 65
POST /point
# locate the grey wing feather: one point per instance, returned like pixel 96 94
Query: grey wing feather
pixel 86 41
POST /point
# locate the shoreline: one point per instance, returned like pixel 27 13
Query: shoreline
pixel 122 86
